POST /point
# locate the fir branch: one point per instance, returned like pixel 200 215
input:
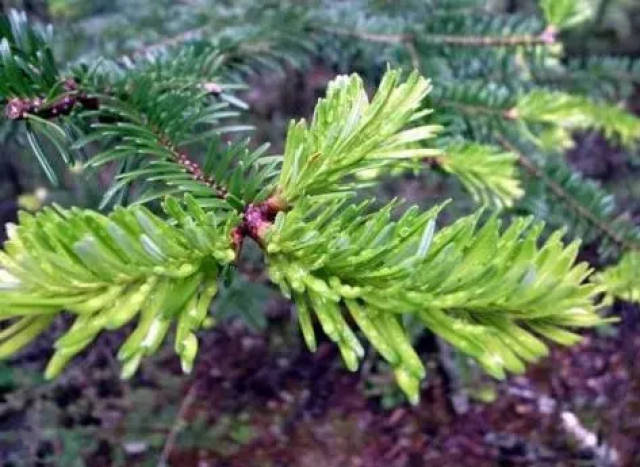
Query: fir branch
pixel 74 96
pixel 553 109
pixel 621 280
pixel 20 108
pixel 482 290
pixel 376 135
pixel 185 36
pixel 546 37
pixel 165 87
pixel 566 197
pixel 192 167
pixel 405 40
pixel 488 173
pixel 141 116
pixel 493 293
pixel 576 112
pixel 113 268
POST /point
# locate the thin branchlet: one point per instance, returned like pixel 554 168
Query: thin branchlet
pixel 18 108
pixel 546 37
pixel 527 164
pixel 190 166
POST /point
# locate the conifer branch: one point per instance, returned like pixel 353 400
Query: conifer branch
pixel 192 167
pixel 621 280
pixel 493 293
pixel 172 41
pixel 18 108
pixel 405 40
pixel 318 156
pixel 498 288
pixel 554 109
pixel 489 174
pixel 566 197
pixel 546 37
pixel 113 268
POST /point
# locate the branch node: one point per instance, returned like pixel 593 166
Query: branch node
pixel 257 218
pixel 18 108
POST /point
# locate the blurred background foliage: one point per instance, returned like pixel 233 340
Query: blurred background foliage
pixel 259 398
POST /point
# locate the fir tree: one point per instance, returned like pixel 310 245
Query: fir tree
pixel 496 114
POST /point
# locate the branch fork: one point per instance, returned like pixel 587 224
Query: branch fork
pixel 256 220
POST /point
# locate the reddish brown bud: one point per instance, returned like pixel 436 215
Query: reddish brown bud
pixel 257 219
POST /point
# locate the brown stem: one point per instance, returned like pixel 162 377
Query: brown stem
pixel 373 37
pixel 546 37
pixel 191 166
pixel 18 108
